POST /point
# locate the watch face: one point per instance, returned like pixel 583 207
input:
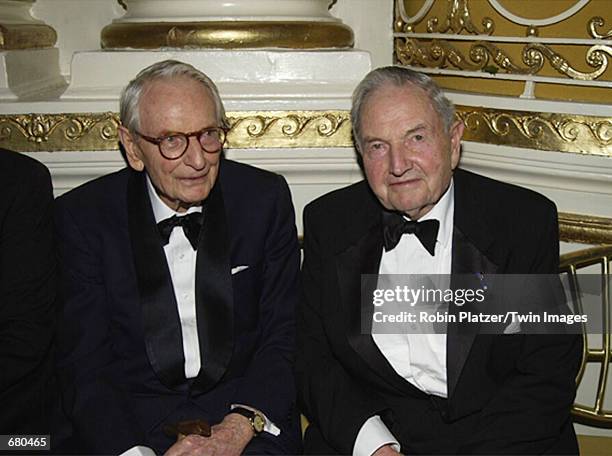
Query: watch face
pixel 258 423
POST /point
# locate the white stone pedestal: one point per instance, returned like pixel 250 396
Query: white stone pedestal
pixel 247 80
pixel 26 73
pixel 28 63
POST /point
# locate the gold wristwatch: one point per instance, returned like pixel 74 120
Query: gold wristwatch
pixel 256 419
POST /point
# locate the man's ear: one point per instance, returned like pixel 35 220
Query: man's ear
pixel 456 133
pixel 132 151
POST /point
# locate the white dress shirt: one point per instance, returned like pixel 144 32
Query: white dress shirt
pixel 419 358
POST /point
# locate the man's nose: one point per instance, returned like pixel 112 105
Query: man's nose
pixel 194 155
pixel 400 159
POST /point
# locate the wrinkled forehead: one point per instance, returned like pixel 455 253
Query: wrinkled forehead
pixel 403 106
pixel 391 93
pixel 172 89
pixel 176 97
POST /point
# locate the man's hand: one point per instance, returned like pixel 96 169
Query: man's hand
pixel 228 438
pixel 386 450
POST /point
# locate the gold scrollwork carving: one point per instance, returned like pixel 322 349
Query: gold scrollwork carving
pixel 459 19
pixel 51 132
pixel 98 131
pixel 595 57
pixel 36 127
pixel 543 131
pixel 439 53
pixel 305 129
pixel 482 50
pixel 297 129
pixel 595 22
pixel 435 54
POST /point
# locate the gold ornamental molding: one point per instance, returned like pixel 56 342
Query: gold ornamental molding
pixel 585 229
pixel 26 36
pixel 227 35
pixel 248 129
pixel 579 134
pixel 53 132
pixel 440 53
pixel 587 135
pixel 485 56
pixel 458 19
pixel 251 129
pixel 596 22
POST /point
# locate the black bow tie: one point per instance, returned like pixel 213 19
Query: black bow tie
pixel 395 226
pixel 191 223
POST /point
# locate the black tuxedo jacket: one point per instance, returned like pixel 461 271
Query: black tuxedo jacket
pixel 121 364
pixel 506 393
pixel 27 293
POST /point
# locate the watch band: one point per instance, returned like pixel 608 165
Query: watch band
pixel 257 420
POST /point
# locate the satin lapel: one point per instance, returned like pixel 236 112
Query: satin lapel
pixel 472 241
pixel 161 322
pixel 360 258
pixel 363 257
pixel 214 293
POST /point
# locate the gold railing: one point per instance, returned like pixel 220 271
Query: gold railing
pixel 571 263
pixel 481 46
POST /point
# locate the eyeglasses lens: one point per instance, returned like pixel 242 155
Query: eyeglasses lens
pixel 173 146
pixel 211 140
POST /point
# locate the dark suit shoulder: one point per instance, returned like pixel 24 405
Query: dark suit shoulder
pixel 245 181
pixel 97 192
pixel 502 200
pixel 347 198
pixel 516 228
pixel 342 215
pixel 25 185
pixel 17 167
pixel 248 174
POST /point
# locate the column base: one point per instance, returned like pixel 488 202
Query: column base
pixel 29 73
pixel 26 36
pixel 227 35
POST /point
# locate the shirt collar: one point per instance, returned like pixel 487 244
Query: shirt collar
pixel 160 210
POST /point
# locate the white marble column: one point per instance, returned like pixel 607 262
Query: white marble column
pixel 206 10
pixel 272 53
pixel 295 24
pixel 28 61
pixel 19 30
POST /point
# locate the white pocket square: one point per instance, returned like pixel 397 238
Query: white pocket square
pixel 513 328
pixel 237 269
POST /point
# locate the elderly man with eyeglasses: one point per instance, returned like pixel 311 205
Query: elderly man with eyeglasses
pixel 179 282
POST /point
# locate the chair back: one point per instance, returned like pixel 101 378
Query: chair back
pixel 598 354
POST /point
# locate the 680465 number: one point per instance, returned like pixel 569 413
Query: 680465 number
pixel 24 442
